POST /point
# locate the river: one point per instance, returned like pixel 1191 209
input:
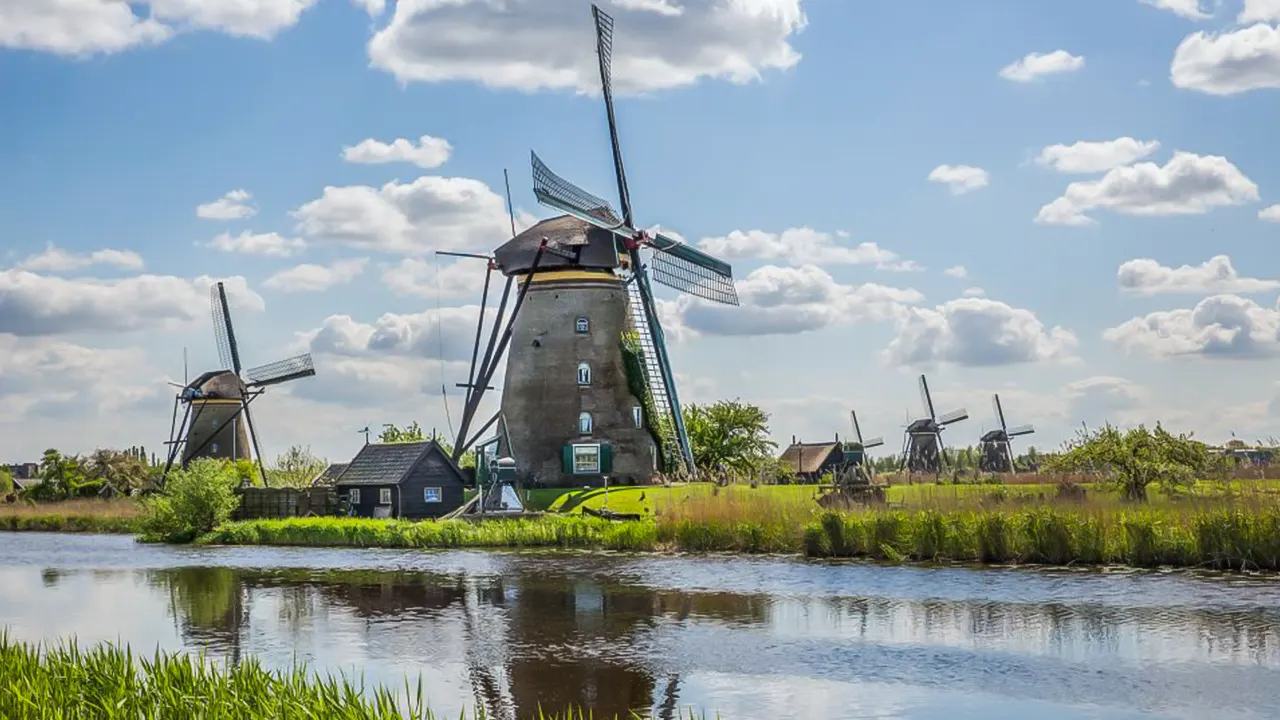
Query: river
pixel 756 638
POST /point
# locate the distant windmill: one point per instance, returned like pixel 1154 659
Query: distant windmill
pixel 997 453
pixel 856 452
pixel 922 447
pixel 216 402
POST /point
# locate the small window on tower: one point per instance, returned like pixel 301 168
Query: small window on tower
pixel 637 416
pixel 582 326
pixel 584 374
pixel 584 424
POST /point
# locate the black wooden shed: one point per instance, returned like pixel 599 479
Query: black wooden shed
pixel 413 480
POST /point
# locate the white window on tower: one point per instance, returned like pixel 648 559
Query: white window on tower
pixel 584 374
pixel 637 416
pixel 384 496
pixel 581 326
pixel 586 459
pixel 584 424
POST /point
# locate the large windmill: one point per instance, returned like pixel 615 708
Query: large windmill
pixel 856 452
pixel 215 418
pixel 922 446
pixel 997 453
pixel 589 389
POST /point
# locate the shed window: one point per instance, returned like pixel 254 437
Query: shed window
pixel 384 496
pixel 431 494
pixel 637 416
pixel 584 374
pixel 586 459
pixel 584 423
pixel 355 496
pixel 581 326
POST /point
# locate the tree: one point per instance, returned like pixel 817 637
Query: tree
pixel 195 500
pixel 6 483
pixel 1136 458
pixel 123 472
pixel 392 434
pixel 296 468
pixel 728 434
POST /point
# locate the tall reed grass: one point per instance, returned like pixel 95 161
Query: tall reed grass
pixel 1232 530
pixel 108 682
pixel 87 516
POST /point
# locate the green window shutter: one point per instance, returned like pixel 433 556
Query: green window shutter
pixel 566 459
pixel 606 458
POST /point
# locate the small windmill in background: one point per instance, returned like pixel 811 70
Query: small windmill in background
pixel 856 452
pixel 922 447
pixel 215 419
pixel 997 452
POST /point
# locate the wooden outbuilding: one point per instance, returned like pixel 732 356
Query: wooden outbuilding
pixel 810 461
pixel 411 480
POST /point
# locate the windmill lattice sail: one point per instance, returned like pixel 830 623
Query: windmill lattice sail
pixel 281 371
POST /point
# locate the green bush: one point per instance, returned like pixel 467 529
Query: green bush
pixel 194 501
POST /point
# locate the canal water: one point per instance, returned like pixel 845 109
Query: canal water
pixel 756 638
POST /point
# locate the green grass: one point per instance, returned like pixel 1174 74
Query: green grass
pixel 108 682
pixel 86 516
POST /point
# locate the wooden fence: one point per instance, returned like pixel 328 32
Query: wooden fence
pixel 258 503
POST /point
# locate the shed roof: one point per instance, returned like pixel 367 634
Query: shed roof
pixel 389 463
pixel 564 233
pixel 330 474
pixel 808 457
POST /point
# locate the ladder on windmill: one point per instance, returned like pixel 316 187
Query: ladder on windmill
pixel 654 378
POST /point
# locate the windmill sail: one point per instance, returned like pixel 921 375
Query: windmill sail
pixel 1021 430
pixel 857 430
pixel 926 399
pixel 953 417
pixel 873 442
pixel 280 371
pixel 604 52
pixel 553 190
pixel 684 268
pixel 224 334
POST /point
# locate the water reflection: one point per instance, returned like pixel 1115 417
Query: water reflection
pixel 512 632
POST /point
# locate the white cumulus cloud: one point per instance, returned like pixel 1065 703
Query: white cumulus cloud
pixel 1034 66
pixel 428 152
pixel 1092 157
pixel 1189 9
pixel 956 271
pixel 417 277
pixel 55 259
pixel 797 246
pixel 960 178
pixel 1271 214
pixel 1259 11
pixel 431 213
pixel 232 206
pixel 1188 184
pixel 270 244
pixel 1144 276
pixel 976 332
pixel 550 44
pixel 1226 326
pixel 309 277
pixel 1228 63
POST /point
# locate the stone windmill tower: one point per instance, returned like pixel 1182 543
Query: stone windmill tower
pixel 589 391
pixel 922 449
pixel 215 420
pixel 997 451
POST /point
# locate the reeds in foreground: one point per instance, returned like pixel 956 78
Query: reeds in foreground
pixel 108 682
pixel 89 516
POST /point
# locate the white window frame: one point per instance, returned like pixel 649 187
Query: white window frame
pixel 584 374
pixel 637 416
pixel 427 494
pixel 582 325
pixel 585 423
pixel 587 450
pixel 354 496
pixel 384 496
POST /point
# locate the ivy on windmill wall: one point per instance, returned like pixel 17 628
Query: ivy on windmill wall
pixel 664 436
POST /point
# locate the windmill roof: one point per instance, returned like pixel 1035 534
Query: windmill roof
pixel 388 463
pixel 923 425
pixel 996 435
pixel 565 233
pixel 808 457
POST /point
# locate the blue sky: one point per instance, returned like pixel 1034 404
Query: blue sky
pixel 797 138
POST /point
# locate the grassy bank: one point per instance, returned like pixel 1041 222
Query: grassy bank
pixel 109 683
pixel 88 516
pixel 1218 533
